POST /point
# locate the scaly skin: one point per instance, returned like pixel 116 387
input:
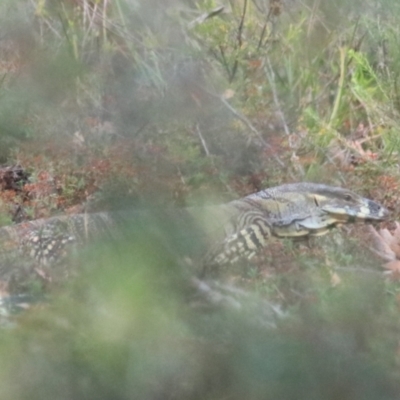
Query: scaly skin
pixel 292 211
pixel 233 230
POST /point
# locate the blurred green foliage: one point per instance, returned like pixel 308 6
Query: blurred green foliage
pixel 133 327
pixel 142 102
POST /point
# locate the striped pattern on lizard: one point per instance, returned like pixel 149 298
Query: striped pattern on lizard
pixel 233 230
pixel 291 211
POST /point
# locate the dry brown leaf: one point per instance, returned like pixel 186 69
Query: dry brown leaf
pixel 393 269
pixel 393 266
pixel 350 152
pixel 382 240
pixel 387 246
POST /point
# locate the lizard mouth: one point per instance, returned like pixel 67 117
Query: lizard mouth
pixel 346 218
pixel 365 213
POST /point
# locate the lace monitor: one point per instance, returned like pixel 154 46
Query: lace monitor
pixel 296 210
pixel 233 230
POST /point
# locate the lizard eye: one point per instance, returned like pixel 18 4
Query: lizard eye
pixel 348 197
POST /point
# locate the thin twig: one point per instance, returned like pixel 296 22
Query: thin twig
pixel 245 120
pixel 339 95
pixel 267 19
pixel 251 127
pixel 241 24
pixel 205 16
pixel 225 62
pixel 105 20
pixel 239 41
pixel 203 142
pixel 91 19
pixel 271 78
pixel 262 34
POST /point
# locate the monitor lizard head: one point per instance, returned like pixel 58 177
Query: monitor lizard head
pixel 303 209
pixel 343 204
pixel 295 210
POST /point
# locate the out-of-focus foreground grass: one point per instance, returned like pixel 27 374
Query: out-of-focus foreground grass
pixel 132 326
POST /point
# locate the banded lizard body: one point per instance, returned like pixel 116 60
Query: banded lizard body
pixel 233 230
pixel 290 211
